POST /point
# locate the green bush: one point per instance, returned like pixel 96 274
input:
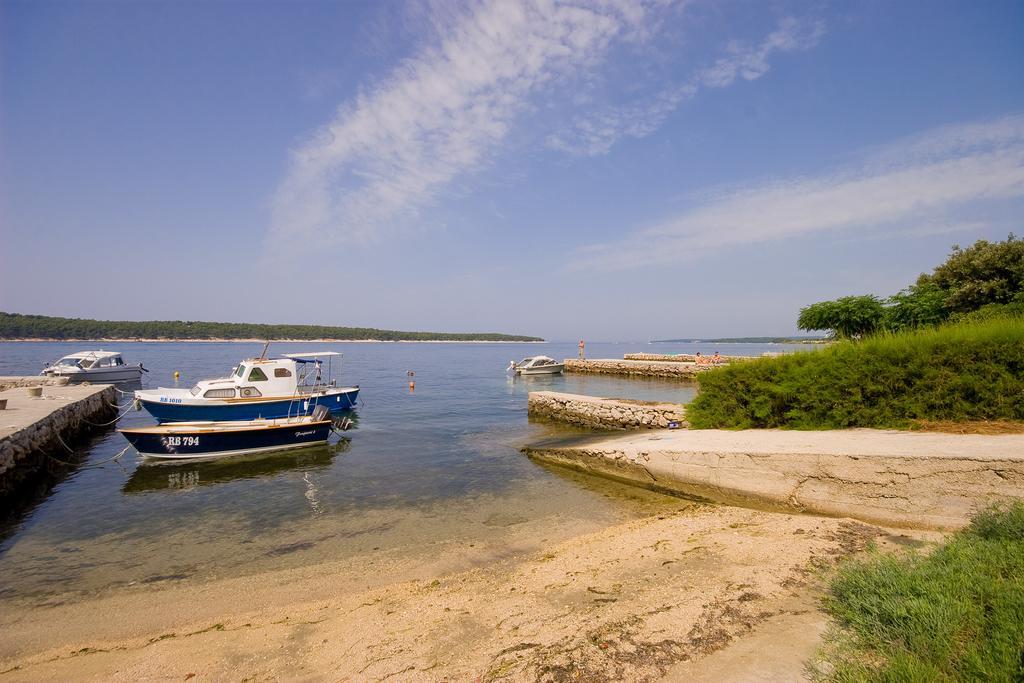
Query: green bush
pixel 848 318
pixel 985 275
pixel 992 311
pixel 957 372
pixel 956 614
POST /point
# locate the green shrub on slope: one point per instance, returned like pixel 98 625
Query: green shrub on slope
pixel 956 614
pixel 966 371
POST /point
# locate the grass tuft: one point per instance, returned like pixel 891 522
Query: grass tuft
pixel 956 614
pixel 960 372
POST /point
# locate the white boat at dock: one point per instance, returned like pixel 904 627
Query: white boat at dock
pixel 536 365
pixel 96 367
pixel 257 388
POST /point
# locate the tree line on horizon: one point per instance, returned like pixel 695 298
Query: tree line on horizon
pixel 980 282
pixel 21 326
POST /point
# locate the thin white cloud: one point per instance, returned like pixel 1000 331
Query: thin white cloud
pixel 751 62
pixel 440 114
pixel 595 133
pixel 945 169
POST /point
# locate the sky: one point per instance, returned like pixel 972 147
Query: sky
pixel 616 170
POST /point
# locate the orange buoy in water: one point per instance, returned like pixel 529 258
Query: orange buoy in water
pixel 412 386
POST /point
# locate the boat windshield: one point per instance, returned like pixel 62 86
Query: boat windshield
pixel 68 362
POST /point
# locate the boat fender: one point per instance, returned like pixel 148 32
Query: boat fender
pixel 137 405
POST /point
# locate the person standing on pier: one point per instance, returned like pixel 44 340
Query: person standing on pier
pixel 582 345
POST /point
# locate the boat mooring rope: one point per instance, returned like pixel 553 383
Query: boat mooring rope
pixel 92 465
pixel 119 416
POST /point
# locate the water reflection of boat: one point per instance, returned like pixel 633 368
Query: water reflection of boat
pixel 170 475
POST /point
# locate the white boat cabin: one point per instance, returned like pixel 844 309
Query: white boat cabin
pixel 536 362
pixel 89 360
pixel 260 377
pixel 536 365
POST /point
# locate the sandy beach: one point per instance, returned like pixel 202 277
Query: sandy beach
pixel 642 600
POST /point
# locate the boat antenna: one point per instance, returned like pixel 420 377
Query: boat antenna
pixel 263 355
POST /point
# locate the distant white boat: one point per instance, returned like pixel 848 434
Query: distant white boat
pixel 95 366
pixel 536 365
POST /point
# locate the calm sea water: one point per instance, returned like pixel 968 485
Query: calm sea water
pixel 422 468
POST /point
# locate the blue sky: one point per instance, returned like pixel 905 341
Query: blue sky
pixel 608 170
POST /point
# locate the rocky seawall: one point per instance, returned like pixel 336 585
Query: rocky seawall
pixel 678 357
pixel 662 357
pixel 636 368
pixel 604 413
pixel 32 429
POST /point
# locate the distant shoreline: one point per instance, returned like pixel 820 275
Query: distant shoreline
pixel 747 340
pixel 275 341
pixel 38 328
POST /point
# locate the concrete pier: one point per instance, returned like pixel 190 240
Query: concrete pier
pixel 904 479
pixel 8 381
pixel 31 428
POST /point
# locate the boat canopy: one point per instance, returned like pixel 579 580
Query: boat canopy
pixel 315 354
pixel 93 354
pixel 91 359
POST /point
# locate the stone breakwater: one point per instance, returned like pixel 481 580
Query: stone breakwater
pixel 604 413
pixel 636 368
pixel 905 479
pixel 31 429
pixel 662 357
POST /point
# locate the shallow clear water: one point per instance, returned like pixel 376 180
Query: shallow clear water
pixel 423 468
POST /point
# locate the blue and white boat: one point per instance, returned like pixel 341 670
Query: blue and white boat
pixel 257 389
pixel 184 440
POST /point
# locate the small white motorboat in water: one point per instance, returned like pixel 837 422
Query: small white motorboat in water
pixel 95 366
pixel 536 365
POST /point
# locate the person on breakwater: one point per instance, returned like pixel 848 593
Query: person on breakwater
pixel 582 345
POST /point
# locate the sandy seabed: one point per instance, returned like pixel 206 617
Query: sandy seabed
pixel 700 592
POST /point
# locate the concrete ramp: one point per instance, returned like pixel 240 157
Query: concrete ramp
pixel 908 479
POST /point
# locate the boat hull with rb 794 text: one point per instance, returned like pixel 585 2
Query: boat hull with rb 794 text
pixel 183 440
